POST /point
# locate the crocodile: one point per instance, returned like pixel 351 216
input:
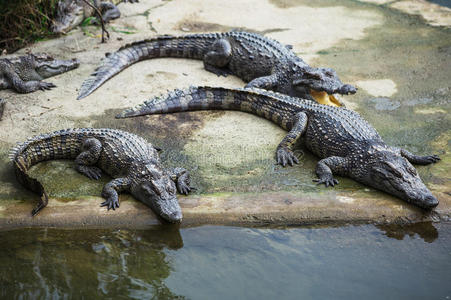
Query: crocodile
pixel 24 73
pixel 260 61
pixel 2 107
pixel 129 159
pixel 346 144
pixel 71 13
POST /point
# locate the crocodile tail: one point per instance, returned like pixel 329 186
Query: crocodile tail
pixel 190 46
pixel 20 169
pixel 269 105
pixel 39 148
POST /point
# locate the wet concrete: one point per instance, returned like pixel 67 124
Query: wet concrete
pixel 400 63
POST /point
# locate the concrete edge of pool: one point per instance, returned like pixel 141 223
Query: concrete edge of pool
pixel 253 209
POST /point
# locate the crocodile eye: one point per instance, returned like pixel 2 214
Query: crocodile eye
pixel 379 171
pixel 411 170
pixel 156 188
pixel 393 169
pixel 312 75
pixel 170 189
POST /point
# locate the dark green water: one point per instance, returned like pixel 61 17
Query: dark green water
pixel 354 262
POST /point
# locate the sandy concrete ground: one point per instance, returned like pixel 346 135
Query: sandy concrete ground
pixel 400 63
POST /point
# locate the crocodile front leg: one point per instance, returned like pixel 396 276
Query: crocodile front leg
pixel 266 82
pixel 111 189
pixel 284 152
pixel 89 156
pixel 180 176
pixel 218 57
pixel 327 166
pixel 419 160
pixel 24 87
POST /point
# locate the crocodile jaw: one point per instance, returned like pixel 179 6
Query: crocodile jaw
pixel 324 98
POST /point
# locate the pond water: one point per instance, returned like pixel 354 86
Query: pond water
pixel 213 262
pixel 445 3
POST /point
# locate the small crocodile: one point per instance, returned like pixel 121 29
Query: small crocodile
pixel 129 159
pixel 24 73
pixel 71 13
pixel 2 107
pixel 345 142
pixel 258 60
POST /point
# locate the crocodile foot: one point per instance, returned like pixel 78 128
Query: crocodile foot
pixel 46 85
pixel 111 203
pixel 286 156
pixel 90 171
pixel 429 159
pixel 183 185
pixel 327 179
pixel 218 71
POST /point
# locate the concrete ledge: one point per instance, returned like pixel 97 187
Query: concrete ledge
pixel 251 209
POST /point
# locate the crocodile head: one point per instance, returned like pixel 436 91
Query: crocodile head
pixel 321 84
pixel 69 14
pixel 157 190
pixel 46 66
pixel 388 171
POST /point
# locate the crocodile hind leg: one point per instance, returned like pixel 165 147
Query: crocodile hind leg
pixel 181 178
pixel 89 156
pixel 218 57
pixel 419 160
pixel 111 189
pixel 284 152
pixel 327 166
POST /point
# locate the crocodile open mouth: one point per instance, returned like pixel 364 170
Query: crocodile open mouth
pixel 326 99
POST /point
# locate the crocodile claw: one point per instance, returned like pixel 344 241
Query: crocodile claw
pixel 328 180
pixel 111 203
pixel 46 85
pixel 183 188
pixel 431 158
pixel 183 185
pixel 286 156
pixel 93 173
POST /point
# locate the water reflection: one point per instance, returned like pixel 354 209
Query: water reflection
pixel 218 262
pixel 426 231
pixel 49 263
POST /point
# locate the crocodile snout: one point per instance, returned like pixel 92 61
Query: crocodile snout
pixel 347 89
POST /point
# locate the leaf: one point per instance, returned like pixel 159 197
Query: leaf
pixel 122 30
pixel 87 21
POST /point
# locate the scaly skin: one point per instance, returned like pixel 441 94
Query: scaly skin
pixel 129 159
pixel 2 107
pixel 71 13
pixel 260 61
pixel 24 73
pixel 346 143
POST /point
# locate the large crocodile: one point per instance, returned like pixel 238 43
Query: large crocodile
pixel 24 73
pixel 346 143
pixel 71 13
pixel 129 159
pixel 260 61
